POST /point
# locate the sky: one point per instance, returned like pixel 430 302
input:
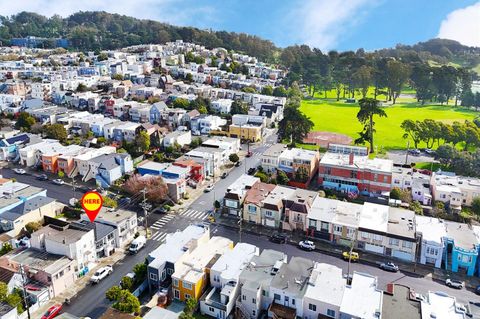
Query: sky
pixel 324 24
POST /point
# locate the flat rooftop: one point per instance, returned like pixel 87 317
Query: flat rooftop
pixel 374 217
pixel 231 264
pixel 335 211
pixel 440 306
pixel 359 162
pixel 40 260
pixel 401 222
pixel 275 150
pixel 432 229
pixel 326 275
pixel 462 234
pixel 362 299
pixel 398 305
pixel 294 276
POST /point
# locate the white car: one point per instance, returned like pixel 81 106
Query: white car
pixel 307 245
pixel 209 188
pixel 58 181
pixel 20 171
pixel 101 274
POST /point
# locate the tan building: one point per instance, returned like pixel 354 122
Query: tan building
pixel 253 202
pixel 252 133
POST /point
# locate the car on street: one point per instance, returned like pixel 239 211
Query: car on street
pixel 42 177
pixel 209 188
pixel 160 210
pixel 353 256
pixel 101 274
pixel 224 175
pixel 252 171
pixel 414 152
pixel 452 283
pixel 237 164
pixel 52 312
pixel 278 238
pixel 58 181
pixel 389 266
pixel 429 151
pixel 306 245
pixel 19 171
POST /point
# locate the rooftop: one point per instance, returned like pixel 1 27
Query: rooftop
pixel 231 264
pixel 398 305
pixel 432 229
pixel 60 235
pixel 260 271
pixel 258 192
pixel 151 165
pixel 278 194
pixel 294 276
pixel 275 150
pixel 39 260
pixel 359 162
pixel 335 211
pixel 462 234
pixel 26 207
pixel 362 299
pixel 401 222
pixel 325 275
pixel 112 216
pixel 374 217
pixel 440 306
pixel 242 184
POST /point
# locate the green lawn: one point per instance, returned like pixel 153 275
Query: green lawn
pixel 340 117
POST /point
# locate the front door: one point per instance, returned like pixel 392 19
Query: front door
pixel 287 301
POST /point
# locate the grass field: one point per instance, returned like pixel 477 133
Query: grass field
pixel 340 117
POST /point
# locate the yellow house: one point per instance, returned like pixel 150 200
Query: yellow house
pixel 192 271
pixel 250 132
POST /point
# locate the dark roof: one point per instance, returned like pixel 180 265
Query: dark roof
pixel 6 275
pixel 101 230
pixel 26 207
pixel 398 303
pixel 20 138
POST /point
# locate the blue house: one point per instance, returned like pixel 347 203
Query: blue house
pixel 461 248
pixel 156 112
pixel 152 168
pixel 9 146
pixel 112 167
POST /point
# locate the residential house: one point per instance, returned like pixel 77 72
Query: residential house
pixel 253 202
pixel 398 303
pixel 31 154
pixel 222 105
pixel 343 170
pixel 104 236
pixel 296 208
pixel 288 288
pixel 126 131
pixel 55 272
pixel 372 228
pixel 205 123
pixel 31 210
pixel 124 221
pixel 272 207
pixel 230 145
pixel 440 305
pixel 161 261
pixel 432 235
pixel 319 302
pixel 75 244
pixel 270 157
pixel 83 165
pixel 14 193
pixel 140 113
pixel 156 112
pixel 255 281
pixel 461 249
pixel 220 300
pixel 300 165
pixel 7 311
pixel 196 170
pixel 66 162
pixel 112 167
pixel 178 137
pixel 10 146
pixel 401 237
pixel 362 299
pixel 210 157
pixel 191 275
pixel 416 182
pixel 236 192
pixel 453 190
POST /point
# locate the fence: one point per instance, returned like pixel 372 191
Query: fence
pixel 137 292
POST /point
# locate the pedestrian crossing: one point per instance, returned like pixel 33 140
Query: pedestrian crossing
pixel 159 236
pixel 257 153
pixel 162 221
pixel 194 214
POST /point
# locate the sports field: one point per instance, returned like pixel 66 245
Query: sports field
pixel 341 117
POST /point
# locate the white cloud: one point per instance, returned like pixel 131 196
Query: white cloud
pixel 462 25
pixel 321 23
pixel 170 11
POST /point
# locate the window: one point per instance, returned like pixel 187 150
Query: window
pixel 169 271
pixel 293 301
pixel 153 276
pixel 186 285
pixel 263 292
pixel 175 282
pixel 337 229
pixel 325 226
pixel 276 296
pixel 211 309
pixel 407 244
pixel 176 293
pixel 164 274
pixel 187 296
pixel 312 307
pixel 393 242
pixel 254 301
pixel 268 213
pixel 244 297
pixel 375 177
pixel 253 313
pixel 252 209
pixel 331 313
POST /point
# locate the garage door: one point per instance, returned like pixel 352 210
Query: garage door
pixel 374 248
pixel 402 255
pixel 270 222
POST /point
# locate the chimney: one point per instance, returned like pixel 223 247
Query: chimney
pixel 350 159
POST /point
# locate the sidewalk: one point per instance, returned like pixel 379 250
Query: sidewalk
pixel 412 269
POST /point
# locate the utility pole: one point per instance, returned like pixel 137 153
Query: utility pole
pixel 240 228
pixel 406 155
pixel 349 280
pixel 73 186
pixel 145 207
pixel 22 273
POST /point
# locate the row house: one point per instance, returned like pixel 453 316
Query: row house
pixel 344 171
pixel 181 138
pixel 236 193
pixel 104 236
pixel 205 123
pixel 453 190
pixel 41 90
pixel 140 113
pixel 50 158
pixel 13 194
pixel 228 144
pixel 31 154
pixel 416 182
pixel 112 167
pixel 81 162
pixel 296 209
pixel 126 131
pixel 212 158
pixel 222 106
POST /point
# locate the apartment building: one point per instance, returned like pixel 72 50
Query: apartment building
pixel 453 190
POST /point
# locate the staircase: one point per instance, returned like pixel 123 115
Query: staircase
pixel 102 181
pixel 74 171
pixel 241 311
pixel 89 175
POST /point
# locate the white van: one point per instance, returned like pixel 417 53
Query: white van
pixel 137 244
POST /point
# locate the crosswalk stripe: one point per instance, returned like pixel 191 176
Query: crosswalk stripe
pixel 185 212
pixel 161 222
pixel 155 227
pixel 190 213
pixel 168 217
pixel 197 214
pixel 154 234
pixel 157 235
pixel 161 237
pixel 204 216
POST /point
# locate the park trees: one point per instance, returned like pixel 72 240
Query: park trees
pixel 412 130
pixel 422 82
pixel 295 125
pixel 397 74
pixel 267 90
pixel 363 78
pixel 368 109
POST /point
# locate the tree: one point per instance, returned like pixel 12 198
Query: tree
pixel 181 103
pixel 127 283
pixel 6 248
pixel 81 87
pixel 233 158
pixel 249 89
pixel 127 302
pixel 368 109
pixel 61 174
pixel 56 131
pixel 190 305
pixel 444 79
pixel 476 206
pixel 279 91
pixel 118 77
pixel 238 107
pixel 395 193
pixel 397 75
pixel 24 121
pixel 140 271
pixel 109 202
pixel 422 82
pixel 301 175
pixel 102 56
pixel 267 90
pixel 189 77
pixel 156 189
pixel 113 293
pixel 416 207
pixel 295 125
pixel 32 227
pixel 363 78
pixel 282 178
pixel 142 142
pixel 15 299
pixel 411 129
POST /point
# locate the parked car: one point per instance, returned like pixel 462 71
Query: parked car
pixel 237 164
pixel 353 256
pixel 429 151
pixel 278 238
pixel 209 188
pixel 160 210
pixel 20 171
pixel 414 152
pixel 58 181
pixel 42 177
pixel 224 175
pixel 307 245
pixel 252 171
pixel 452 283
pixel 101 274
pixel 130 275
pixel 52 312
pixel 137 244
pixel 389 266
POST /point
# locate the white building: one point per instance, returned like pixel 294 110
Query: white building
pixel 178 137
pixel 454 190
pixel 319 302
pixel 222 105
pixel 41 90
pixel 269 158
pixel 362 299
pixel 432 232
pixel 440 305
